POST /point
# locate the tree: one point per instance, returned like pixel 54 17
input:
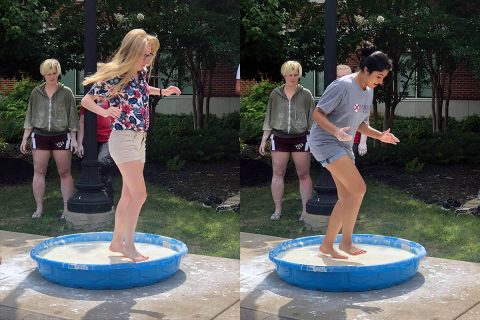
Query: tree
pixel 205 33
pixel 22 37
pixel 387 25
pixel 194 35
pixel 446 37
pixel 274 31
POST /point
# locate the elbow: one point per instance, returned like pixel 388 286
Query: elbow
pixel 85 102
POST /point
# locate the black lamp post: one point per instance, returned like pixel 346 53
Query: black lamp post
pixel 90 197
pixel 326 198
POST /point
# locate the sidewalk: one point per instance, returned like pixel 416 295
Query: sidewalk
pixel 204 288
pixel 442 290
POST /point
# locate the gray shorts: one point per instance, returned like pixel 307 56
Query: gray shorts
pixel 333 158
pixel 127 145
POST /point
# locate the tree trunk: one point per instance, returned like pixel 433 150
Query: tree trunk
pixel 209 93
pixel 447 100
pixel 434 95
pixel 194 105
pixel 388 116
pixel 439 106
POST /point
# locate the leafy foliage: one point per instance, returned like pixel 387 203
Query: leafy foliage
pixel 274 31
pixel 173 140
pixel 12 111
pixel 417 141
pixel 252 111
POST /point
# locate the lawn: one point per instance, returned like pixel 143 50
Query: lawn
pixel 203 230
pixel 384 211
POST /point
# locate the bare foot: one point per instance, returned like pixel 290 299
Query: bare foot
pixel 64 214
pixel 351 249
pixel 116 247
pixel 133 254
pixel 331 252
pixel 37 214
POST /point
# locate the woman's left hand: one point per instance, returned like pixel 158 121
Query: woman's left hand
pixel 170 90
pixel 74 146
pixel 388 137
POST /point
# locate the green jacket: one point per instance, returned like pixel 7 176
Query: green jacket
pixel 58 114
pixel 290 117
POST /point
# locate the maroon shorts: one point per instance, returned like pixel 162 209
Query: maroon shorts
pixel 58 142
pixel 297 144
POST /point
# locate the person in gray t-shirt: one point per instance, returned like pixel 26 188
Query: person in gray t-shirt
pixel 344 109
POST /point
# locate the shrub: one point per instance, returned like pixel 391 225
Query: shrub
pixel 414 166
pixel 175 164
pixel 417 141
pixel 173 136
pixel 252 111
pixel 472 123
pixel 12 111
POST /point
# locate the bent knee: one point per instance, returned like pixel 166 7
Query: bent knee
pixel 359 189
pixel 139 196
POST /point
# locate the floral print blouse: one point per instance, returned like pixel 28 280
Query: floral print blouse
pixel 133 101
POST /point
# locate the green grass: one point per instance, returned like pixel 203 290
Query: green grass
pixel 203 230
pixel 384 211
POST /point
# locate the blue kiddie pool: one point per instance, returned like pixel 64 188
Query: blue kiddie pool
pixel 84 261
pixel 389 261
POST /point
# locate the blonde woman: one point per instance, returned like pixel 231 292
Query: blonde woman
pixel 287 121
pixel 123 83
pixel 51 121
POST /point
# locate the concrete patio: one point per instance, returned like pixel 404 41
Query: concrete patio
pixel 204 288
pixel 442 290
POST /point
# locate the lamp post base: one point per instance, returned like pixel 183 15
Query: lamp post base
pixel 90 221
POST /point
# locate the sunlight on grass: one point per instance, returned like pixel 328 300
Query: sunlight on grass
pixel 203 230
pixel 384 211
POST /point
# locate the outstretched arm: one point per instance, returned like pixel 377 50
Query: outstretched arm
pixel 165 92
pixel 384 136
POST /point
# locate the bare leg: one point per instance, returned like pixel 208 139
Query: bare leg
pixel 351 189
pixel 129 210
pixel 302 164
pixel 40 163
pixel 63 159
pixel 118 233
pixel 279 166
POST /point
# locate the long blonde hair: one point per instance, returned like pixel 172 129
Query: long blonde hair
pixel 125 60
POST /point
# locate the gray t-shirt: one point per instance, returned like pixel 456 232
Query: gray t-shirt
pixel 346 104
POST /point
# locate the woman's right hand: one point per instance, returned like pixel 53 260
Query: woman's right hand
pixel 23 146
pixel 113 112
pixel 342 135
pixel 261 150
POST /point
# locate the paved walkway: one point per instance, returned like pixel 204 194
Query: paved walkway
pixel 204 288
pixel 442 290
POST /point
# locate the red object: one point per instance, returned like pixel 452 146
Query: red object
pixel 104 125
pixel 356 140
